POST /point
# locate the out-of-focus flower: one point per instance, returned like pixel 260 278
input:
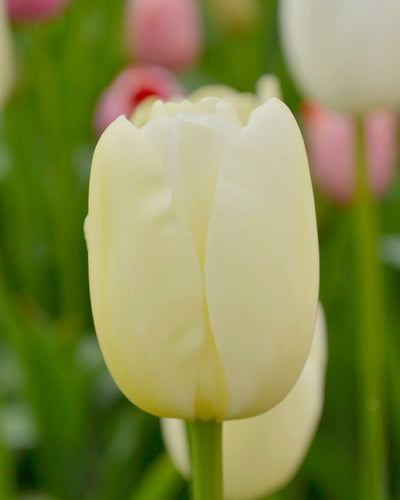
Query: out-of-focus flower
pixel 165 32
pixel 236 15
pixel 263 453
pixel 129 89
pixel 344 54
pixel 203 258
pixel 6 57
pixel 30 10
pixel 330 141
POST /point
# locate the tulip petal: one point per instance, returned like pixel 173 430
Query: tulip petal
pixel 261 265
pixel 146 285
pixel 275 442
pixel 243 103
pixel 194 145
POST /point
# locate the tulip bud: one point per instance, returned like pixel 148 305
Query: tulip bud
pixel 203 258
pixel 6 59
pixel 330 141
pixel 344 54
pixel 165 32
pixel 129 88
pixel 30 10
pixel 263 453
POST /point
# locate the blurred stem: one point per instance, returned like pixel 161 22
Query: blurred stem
pixel 371 336
pixel 205 445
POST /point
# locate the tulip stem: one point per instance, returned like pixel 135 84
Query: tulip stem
pixel 205 445
pixel 370 340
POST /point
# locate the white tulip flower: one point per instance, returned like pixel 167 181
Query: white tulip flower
pixel 344 54
pixel 203 258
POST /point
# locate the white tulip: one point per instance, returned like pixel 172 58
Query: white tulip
pixel 203 258
pixel 263 453
pixel 344 53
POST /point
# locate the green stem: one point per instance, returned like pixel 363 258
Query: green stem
pixel 370 344
pixel 205 445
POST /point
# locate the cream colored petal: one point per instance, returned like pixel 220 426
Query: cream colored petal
pixel 209 105
pixel 242 102
pixel 195 148
pixel 212 105
pixel 268 86
pixel 142 112
pixel 221 91
pixel 174 437
pixel 161 109
pixel 261 454
pixel 319 347
pixel 262 261
pixel 6 56
pixel 194 145
pixel 146 285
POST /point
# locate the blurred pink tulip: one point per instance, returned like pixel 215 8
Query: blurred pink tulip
pixel 166 32
pixel 330 141
pixel 30 10
pixel 129 88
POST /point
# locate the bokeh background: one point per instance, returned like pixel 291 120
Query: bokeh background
pixel 66 431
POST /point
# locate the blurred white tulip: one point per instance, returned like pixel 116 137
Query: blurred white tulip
pixel 344 54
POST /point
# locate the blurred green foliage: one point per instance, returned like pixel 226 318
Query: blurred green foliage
pixel 66 431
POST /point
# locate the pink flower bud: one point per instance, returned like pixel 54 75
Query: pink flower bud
pixel 330 141
pixel 166 32
pixel 129 88
pixel 381 129
pixel 30 10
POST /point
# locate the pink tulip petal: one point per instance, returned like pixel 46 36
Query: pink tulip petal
pixel 165 32
pixel 381 144
pixel 129 88
pixel 30 10
pixel 330 137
